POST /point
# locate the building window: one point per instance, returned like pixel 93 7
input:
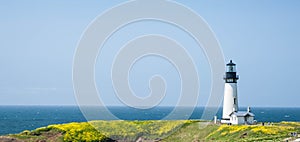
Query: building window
pixel 234 101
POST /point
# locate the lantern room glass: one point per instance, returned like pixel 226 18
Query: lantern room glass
pixel 231 68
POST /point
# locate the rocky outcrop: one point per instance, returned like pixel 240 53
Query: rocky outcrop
pixel 8 139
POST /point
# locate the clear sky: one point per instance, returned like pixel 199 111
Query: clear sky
pixel 38 40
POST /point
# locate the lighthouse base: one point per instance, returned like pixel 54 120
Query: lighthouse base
pixel 225 121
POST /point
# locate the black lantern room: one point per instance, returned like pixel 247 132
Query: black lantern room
pixel 230 76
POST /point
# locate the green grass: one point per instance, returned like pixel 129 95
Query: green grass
pixel 173 131
pixel 196 131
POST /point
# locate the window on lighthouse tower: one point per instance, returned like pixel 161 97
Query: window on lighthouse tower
pixel 231 69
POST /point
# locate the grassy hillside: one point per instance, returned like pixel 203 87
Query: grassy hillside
pixel 175 131
pixel 275 132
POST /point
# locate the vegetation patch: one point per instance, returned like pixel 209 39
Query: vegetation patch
pixel 99 130
pixel 159 130
pixel 275 132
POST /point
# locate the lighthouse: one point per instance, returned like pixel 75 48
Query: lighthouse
pixel 231 113
pixel 230 102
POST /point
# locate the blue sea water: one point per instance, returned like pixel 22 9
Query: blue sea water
pixel 15 119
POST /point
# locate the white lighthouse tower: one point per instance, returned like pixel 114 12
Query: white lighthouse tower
pixel 231 113
pixel 230 102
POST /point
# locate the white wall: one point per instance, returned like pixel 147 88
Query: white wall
pixel 237 120
pixel 230 92
pixel 241 120
pixel 250 119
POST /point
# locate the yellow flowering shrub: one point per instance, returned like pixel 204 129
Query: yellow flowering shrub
pixel 272 129
pixel 79 132
pixel 277 132
pixel 134 128
pixel 128 130
pixel 291 123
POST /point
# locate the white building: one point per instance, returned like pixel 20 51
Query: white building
pixel 242 117
pixel 231 113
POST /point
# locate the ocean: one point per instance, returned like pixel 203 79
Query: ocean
pixel 15 119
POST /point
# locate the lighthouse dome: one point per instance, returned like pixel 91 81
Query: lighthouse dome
pixel 230 63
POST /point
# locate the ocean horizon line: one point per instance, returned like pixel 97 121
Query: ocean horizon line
pixel 49 105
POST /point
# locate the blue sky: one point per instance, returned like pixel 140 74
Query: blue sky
pixel 38 40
